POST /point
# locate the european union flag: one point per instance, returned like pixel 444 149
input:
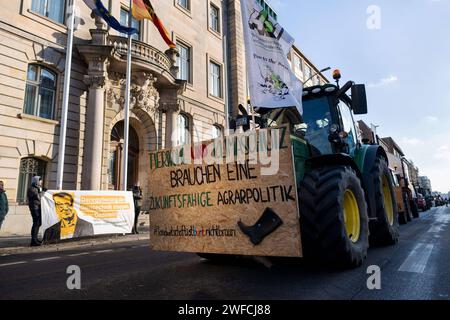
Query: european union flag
pixel 99 9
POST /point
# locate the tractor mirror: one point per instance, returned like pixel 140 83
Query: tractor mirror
pixel 359 99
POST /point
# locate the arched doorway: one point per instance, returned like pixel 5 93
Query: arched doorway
pixel 116 157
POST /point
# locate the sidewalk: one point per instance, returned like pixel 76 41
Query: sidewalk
pixel 21 245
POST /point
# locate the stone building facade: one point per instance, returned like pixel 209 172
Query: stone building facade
pixel 176 95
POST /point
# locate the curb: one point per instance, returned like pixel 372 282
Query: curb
pixel 77 244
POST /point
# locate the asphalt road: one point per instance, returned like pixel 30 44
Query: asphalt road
pixel 417 268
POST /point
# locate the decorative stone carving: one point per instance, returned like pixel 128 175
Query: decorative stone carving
pixel 143 94
pixel 114 93
pixel 114 98
pixel 95 81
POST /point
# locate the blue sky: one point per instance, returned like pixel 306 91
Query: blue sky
pixel 405 65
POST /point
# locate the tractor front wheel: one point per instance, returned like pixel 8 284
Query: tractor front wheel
pixel 333 217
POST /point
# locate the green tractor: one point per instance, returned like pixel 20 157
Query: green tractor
pixel 345 189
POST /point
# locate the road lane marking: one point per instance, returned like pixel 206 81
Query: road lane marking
pixel 12 263
pixel 435 229
pixel 79 254
pixel 104 251
pixel 46 259
pixel 417 259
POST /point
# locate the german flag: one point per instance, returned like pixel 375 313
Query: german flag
pixel 143 9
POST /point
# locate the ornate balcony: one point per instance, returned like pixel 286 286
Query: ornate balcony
pixel 140 51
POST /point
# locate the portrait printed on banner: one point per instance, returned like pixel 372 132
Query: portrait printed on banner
pixel 70 225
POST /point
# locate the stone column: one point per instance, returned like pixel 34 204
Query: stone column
pixel 169 104
pixel 96 55
pixel 171 126
pixel 93 145
pixel 236 51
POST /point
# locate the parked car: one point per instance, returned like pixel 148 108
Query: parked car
pixel 421 203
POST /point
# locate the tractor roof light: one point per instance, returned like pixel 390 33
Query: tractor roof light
pixel 330 88
pixel 305 93
pixel 316 90
pixel 337 74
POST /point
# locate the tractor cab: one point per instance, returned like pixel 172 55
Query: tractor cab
pixel 327 123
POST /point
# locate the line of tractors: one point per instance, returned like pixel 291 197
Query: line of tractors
pixel 349 197
pixel 408 199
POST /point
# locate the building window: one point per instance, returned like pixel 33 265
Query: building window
pixel 40 92
pixel 124 15
pixel 308 74
pixel 184 62
pixel 215 80
pixel 269 10
pixel 52 9
pixel 214 18
pixel 298 66
pixel 318 82
pixel 186 4
pixel 216 131
pixel 29 167
pixel 182 130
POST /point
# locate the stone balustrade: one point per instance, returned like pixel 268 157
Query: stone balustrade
pixel 140 50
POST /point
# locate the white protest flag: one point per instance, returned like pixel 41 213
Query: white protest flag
pixel 272 83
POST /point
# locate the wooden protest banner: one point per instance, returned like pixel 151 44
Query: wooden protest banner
pixel 230 206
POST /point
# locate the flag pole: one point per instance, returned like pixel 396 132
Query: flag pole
pixel 65 104
pixel 127 105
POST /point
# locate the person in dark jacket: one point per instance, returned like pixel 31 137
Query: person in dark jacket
pixel 4 208
pixel 137 197
pixel 34 195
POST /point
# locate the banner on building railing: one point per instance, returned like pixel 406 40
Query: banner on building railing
pixel 77 214
pixel 271 81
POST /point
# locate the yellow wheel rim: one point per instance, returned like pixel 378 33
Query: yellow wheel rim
pixel 351 216
pixel 387 198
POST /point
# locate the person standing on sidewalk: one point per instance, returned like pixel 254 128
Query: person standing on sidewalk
pixel 137 197
pixel 34 195
pixel 4 208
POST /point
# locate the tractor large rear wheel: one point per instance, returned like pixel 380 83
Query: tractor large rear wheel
pixel 385 231
pixel 333 217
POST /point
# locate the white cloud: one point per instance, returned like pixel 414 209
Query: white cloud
pixel 431 153
pixel 412 142
pixel 431 119
pixel 277 4
pixel 443 153
pixel 384 82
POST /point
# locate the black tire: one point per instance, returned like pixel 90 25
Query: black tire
pixel 217 258
pixel 402 218
pixel 414 210
pixel 383 232
pixel 323 230
pixel 409 215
